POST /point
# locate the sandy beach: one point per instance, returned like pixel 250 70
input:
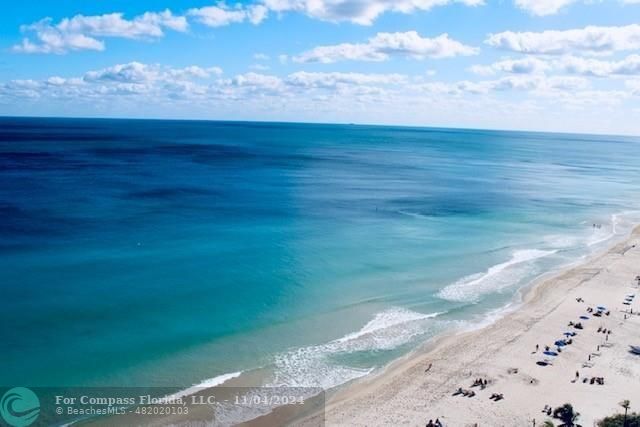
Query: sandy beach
pixel 598 294
pixel 420 387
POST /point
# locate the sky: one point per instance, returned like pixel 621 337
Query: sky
pixel 548 65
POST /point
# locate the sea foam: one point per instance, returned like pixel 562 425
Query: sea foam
pixel 496 278
pixel 208 383
pixel 313 366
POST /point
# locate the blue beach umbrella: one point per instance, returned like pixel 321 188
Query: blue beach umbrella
pixel 584 317
pixel 601 307
pixel 550 353
pixel 560 343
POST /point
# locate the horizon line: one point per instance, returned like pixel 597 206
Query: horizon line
pixel 460 128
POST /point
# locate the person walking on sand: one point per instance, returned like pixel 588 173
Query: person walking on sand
pixel 577 375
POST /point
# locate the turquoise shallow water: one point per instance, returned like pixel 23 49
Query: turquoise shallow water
pixel 165 253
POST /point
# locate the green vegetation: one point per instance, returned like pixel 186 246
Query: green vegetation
pixel 569 416
pixel 622 420
pixel 633 420
pixel 566 414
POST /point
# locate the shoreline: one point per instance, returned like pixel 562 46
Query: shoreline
pixel 361 401
pixel 384 397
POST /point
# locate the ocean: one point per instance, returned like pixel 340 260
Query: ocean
pixel 171 253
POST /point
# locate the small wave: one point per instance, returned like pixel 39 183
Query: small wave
pixel 562 241
pixel 413 214
pixel 618 225
pixel 231 412
pixel 208 383
pixel 312 366
pixel 497 277
pixel 604 233
pixel 387 319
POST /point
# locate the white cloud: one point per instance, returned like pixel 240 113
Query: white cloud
pixel 52 41
pixel 87 32
pixel 82 32
pixel 590 40
pixel 333 80
pixel 21 89
pixel 528 65
pixel 357 11
pixel 154 83
pixel 139 73
pixel 543 7
pixel 214 16
pixel 137 89
pixel 564 83
pixel 256 14
pixel 589 101
pixel 222 15
pixel 552 7
pixel 384 45
pixel 133 72
pixel 585 66
pixel 634 86
pixel 259 82
pixel 528 83
pixel 194 72
pixel 145 84
pixel 520 83
pixel 113 25
pixel 598 68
